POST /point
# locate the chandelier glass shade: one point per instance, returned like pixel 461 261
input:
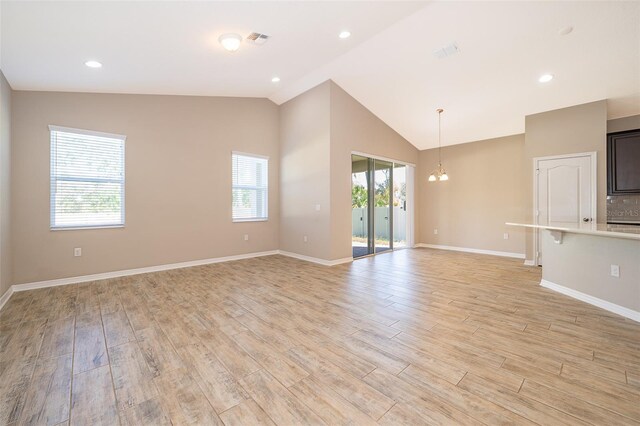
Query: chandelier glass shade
pixel 439 173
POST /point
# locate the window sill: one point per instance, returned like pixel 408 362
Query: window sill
pixel 80 228
pixel 249 220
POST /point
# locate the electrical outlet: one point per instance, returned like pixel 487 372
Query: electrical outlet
pixel 615 271
pixel 77 252
pixel 305 239
pixel 506 236
pixel 317 207
pixel 246 237
pixel 435 232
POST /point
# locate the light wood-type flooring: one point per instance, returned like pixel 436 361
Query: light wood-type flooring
pixel 411 337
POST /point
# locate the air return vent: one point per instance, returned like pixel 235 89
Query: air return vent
pixel 257 38
pixel 446 51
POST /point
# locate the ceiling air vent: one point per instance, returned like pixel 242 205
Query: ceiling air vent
pixel 257 38
pixel 446 51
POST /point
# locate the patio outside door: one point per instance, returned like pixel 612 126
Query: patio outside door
pixel 379 213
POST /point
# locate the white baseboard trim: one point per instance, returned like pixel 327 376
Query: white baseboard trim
pixel 472 250
pixel 529 262
pixel 316 259
pixel 6 296
pixel 127 272
pixel 136 271
pixel 608 306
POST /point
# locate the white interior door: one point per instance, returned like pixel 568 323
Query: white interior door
pixel 565 192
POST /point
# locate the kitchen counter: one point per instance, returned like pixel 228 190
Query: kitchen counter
pixel 600 229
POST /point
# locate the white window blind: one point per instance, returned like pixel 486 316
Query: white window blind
pixel 250 189
pixel 87 179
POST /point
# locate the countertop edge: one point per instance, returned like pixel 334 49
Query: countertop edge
pixel 596 232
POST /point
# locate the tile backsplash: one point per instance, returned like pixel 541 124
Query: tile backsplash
pixel 623 208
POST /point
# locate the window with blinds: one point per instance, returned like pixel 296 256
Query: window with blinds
pixel 250 189
pixel 87 179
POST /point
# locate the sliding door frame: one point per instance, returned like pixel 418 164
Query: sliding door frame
pixel 371 210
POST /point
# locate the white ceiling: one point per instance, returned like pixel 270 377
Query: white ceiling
pixel 163 47
pixel 486 89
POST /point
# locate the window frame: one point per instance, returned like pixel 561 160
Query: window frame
pixel 54 178
pixel 234 186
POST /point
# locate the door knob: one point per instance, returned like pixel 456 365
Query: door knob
pixel 586 219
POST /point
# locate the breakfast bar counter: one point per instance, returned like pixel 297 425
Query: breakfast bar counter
pixel 596 263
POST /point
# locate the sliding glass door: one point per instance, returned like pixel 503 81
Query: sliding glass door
pixel 382 213
pixel 378 205
pixel 360 183
pixel 400 215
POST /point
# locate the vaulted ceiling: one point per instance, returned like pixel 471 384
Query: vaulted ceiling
pixel 387 64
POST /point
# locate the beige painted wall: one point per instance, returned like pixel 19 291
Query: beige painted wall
pixel 355 128
pixel 6 278
pixel 318 131
pixel 178 180
pixel 304 175
pixel 580 128
pixel 622 124
pixel 484 192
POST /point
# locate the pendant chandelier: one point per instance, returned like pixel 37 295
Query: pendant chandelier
pixel 439 173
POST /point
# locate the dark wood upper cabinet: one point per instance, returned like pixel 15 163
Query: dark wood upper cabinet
pixel 623 162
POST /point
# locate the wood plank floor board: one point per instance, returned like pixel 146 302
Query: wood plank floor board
pixel 64 300
pixel 47 399
pixel 26 340
pixel 513 401
pixel 574 406
pixel 58 338
pixel 87 298
pixel 90 349
pixel 410 337
pixel 633 379
pixel 609 395
pixel 132 378
pixel 183 400
pixel 477 407
pixel 279 404
pixel 219 386
pixel 15 309
pixel 327 404
pixel 334 354
pixel 246 413
pixel 93 399
pixel 235 359
pixel 40 306
pixel 15 375
pixel 401 414
pixel 117 329
pixel 149 412
pixel 277 364
pixel 444 369
pixel 157 350
pixel 367 399
pixel 430 408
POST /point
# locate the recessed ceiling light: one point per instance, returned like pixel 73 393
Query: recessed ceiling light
pixel 231 42
pixel 275 79
pixel 545 78
pixel 93 64
pixel 344 34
